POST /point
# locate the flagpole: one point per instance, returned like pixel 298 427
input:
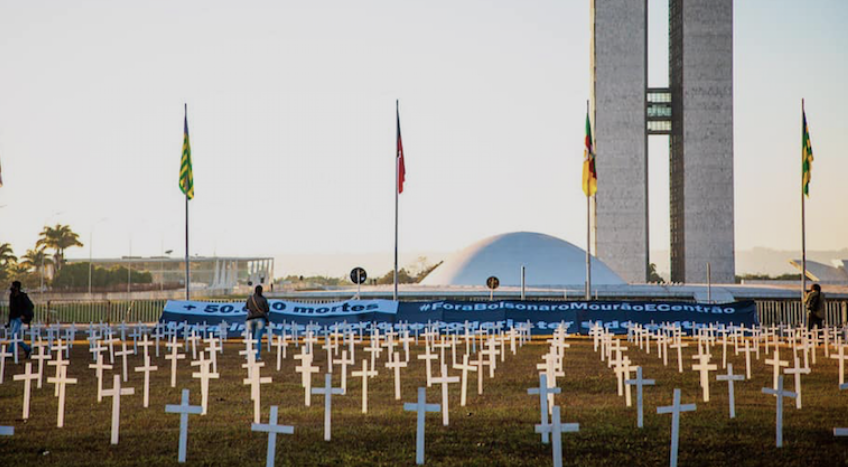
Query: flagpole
pixel 187 273
pixel 588 237
pixel 803 217
pixel 397 161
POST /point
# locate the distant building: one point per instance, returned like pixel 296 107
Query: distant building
pixel 696 111
pixel 215 272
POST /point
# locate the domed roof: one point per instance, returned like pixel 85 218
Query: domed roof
pixel 548 261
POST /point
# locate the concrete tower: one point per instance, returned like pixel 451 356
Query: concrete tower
pixel 696 111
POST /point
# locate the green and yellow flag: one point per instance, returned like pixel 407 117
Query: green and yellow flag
pixel 590 174
pixel 186 177
pixel 806 155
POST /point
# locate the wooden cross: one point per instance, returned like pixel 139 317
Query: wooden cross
pixel 557 428
pixel 421 407
pixel 776 363
pixel 273 429
pixel 254 380
pixel 343 362
pixel 205 374
pixel 306 369
pixel 841 431
pixel 622 372
pixel 98 371
pixel 58 362
pixel 730 378
pixel 396 364
pixel 374 348
pixel 365 374
pixel 545 392
pixel 492 352
pixel 115 393
pixel 780 393
pixel 747 351
pixel 678 344
pixel 465 367
pixel 184 409
pixel 841 357
pixel 675 410
pixel 428 358
pixel 3 356
pixel 329 346
pixel 144 343
pixel 42 355
pixel 704 367
pixel 444 380
pixel 146 368
pixel 27 377
pixel 174 357
pixel 328 390
pixel 123 354
pixel 639 382
pixel 281 344
pixel 797 371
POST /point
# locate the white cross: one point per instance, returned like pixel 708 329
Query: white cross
pixel 61 381
pixel 428 358
pixel 123 354
pixel 444 380
pixel 254 379
pixel 465 367
pixel 273 430
pixel 281 344
pixel 27 377
pixel 479 364
pixel 544 391
pixel 797 371
pixel 675 410
pixel 678 344
pixel 365 374
pixel 492 352
pixel 747 350
pixel 205 374
pixel 328 390
pixel 776 363
pixel 174 356
pixel 3 356
pixel 841 431
pixel 556 428
pixel 306 369
pixel 42 355
pixel 730 378
pixel 639 382
pixel 146 368
pixel 115 393
pixel 704 367
pixel 396 364
pixel 98 371
pixel 421 408
pixel 184 409
pixel 841 357
pixel 780 393
pixel 213 346
pixel 344 362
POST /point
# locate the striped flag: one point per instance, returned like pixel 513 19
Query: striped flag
pixel 806 156
pixel 186 176
pixel 401 168
pixel 590 175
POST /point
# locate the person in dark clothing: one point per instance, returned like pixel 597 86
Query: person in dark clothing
pixel 815 306
pixel 19 303
pixel 257 317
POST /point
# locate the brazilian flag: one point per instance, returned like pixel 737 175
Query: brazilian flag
pixel 186 177
pixel 806 156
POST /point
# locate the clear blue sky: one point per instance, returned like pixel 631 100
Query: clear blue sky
pixel 291 111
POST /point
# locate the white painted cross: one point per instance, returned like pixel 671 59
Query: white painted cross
pixel 428 358
pixel 776 363
pixel 365 374
pixel 797 371
pixel 43 354
pixel 146 368
pixel 747 351
pixel 281 344
pixel 343 362
pixel 123 354
pixel 27 377
pixel 61 381
pixel 3 356
pixel 213 346
pixel 444 380
pixel 841 431
pixel 396 364
pixel 544 391
pixel 273 430
pixel 465 367
pixel 841 357
pixel 306 369
pixel 59 362
pixel 254 379
pixel 184 409
pixel 678 344
pixel 421 408
pixel 780 393
pixel 557 428
pixel 328 390
pixel 98 371
pixel 639 382
pixel 730 378
pixel 704 367
pixel 479 364
pixel 115 393
pixel 205 374
pixel 174 356
pixel 675 409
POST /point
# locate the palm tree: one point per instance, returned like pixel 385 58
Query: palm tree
pixel 58 238
pixel 7 256
pixel 35 259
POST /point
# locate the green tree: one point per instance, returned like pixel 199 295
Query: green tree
pixel 58 238
pixel 403 278
pixel 35 259
pixel 6 254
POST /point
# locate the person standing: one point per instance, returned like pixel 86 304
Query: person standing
pixel 19 306
pixel 815 306
pixel 257 317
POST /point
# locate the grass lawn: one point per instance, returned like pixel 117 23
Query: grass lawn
pixel 494 429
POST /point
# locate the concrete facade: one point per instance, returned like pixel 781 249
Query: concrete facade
pixel 701 165
pixel 619 79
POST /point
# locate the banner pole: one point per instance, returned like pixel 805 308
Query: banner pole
pixel 803 220
pixel 395 293
pixel 588 248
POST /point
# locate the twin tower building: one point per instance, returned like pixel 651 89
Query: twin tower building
pixel 696 111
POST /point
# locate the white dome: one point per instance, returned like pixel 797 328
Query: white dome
pixel 548 261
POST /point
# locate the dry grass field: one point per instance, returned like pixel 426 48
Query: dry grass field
pixel 494 429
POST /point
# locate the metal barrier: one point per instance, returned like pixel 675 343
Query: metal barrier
pixel 792 313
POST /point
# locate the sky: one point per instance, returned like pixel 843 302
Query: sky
pixel 291 109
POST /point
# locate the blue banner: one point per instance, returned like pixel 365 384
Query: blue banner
pixel 544 316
